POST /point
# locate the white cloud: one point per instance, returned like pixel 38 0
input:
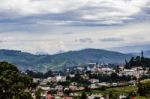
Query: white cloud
pixel 30 7
pixel 102 11
pixel 80 37
pixel 39 25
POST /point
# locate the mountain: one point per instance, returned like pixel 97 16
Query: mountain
pixel 131 48
pixel 146 54
pixel 58 61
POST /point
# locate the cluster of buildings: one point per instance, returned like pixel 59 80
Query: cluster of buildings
pixel 60 85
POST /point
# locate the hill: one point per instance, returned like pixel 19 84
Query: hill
pixel 146 54
pixel 132 48
pixel 43 63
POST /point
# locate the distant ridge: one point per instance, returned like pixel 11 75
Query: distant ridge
pixel 43 63
pixel 132 48
pixel 146 54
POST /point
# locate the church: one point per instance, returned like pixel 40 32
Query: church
pixel 138 61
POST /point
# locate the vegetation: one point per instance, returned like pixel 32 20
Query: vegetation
pixel 141 91
pixel 111 78
pixel 39 74
pixel 13 84
pixel 80 80
pixel 43 63
pixel 113 93
pixel 138 61
pixel 83 96
pixel 38 94
pixel 144 88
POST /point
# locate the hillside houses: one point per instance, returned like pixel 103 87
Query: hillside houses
pixel 92 76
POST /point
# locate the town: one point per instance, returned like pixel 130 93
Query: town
pixel 75 49
pixel 73 82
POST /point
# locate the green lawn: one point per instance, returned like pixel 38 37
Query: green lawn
pixel 140 97
pixel 122 90
pixel 115 91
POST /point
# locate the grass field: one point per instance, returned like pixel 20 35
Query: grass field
pixel 115 91
pixel 119 90
pixel 140 97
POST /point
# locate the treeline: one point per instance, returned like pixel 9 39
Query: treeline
pixel 114 77
pixel 34 74
pixel 138 61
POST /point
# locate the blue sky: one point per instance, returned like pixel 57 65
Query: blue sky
pixel 50 26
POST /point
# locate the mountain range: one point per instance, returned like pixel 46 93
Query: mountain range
pixel 146 54
pixel 43 63
pixel 132 48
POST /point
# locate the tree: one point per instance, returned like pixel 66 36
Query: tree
pixel 13 85
pixel 38 94
pixel 83 95
pixel 6 66
pixel 110 94
pixel 117 69
pixel 144 88
pixel 114 76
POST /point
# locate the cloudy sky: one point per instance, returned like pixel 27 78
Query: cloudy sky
pixel 50 26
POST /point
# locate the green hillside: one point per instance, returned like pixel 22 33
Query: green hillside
pixel 58 61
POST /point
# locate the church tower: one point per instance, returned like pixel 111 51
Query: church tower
pixel 142 54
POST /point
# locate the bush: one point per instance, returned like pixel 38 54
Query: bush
pixel 144 88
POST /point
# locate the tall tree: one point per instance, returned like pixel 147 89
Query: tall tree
pixel 13 85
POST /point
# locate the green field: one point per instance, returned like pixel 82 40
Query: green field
pixel 114 91
pixel 140 97
pixel 119 90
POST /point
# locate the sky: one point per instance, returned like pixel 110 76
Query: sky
pixel 52 26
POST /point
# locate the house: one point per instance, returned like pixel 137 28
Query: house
pixel 71 75
pixel 94 80
pixel 44 82
pixel 93 86
pixel 122 97
pixel 106 70
pixel 114 84
pixel 59 88
pixel 128 72
pixel 103 84
pixel 74 83
pixel 93 96
pixel 36 80
pixel 60 93
pixel 73 88
pixel 81 88
pixel 60 78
